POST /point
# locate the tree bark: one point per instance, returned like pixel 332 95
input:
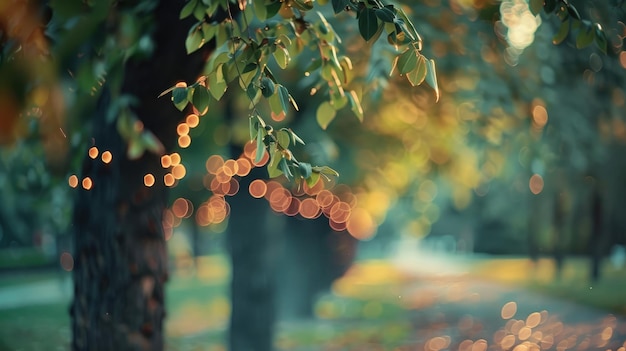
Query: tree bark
pixel 120 259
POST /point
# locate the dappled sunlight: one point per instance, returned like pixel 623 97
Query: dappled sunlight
pixel 460 313
pixel 521 26
pixel 513 147
pixel 535 184
pixel 148 180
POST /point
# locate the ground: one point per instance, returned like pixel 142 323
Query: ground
pixel 426 302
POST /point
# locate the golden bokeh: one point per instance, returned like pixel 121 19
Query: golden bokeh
pixel 148 180
pixel 508 310
pixel 257 188
pixel 87 183
pixel 175 158
pixel 540 116
pixel 169 179
pixel 192 120
pixel 73 181
pixel 360 224
pixel 184 141
pixel 214 163
pixel 533 319
pixel 179 171
pixel 107 157
pixel 93 152
pixel 231 167
pixel 67 261
pixel 309 208
pixel 166 161
pixel 293 208
pixel 243 167
pixel 535 184
pixel 182 129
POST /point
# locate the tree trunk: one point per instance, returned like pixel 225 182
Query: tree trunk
pixel 253 235
pixel 596 238
pixel 313 257
pixel 559 234
pixel 120 256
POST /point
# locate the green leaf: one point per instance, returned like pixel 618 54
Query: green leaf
pixel 385 14
pixel 201 99
pixel 272 167
pixel 585 37
pixel 199 13
pixel 549 6
pixel 417 76
pixel 208 31
pixel 194 40
pixel 601 41
pixel 267 87
pixel 431 77
pixel 325 114
pixel 125 124
pixel 248 74
pixel 188 9
pixel 355 105
pixel 260 149
pixel 260 10
pixel 273 9
pixel 135 149
pixel 303 5
pixel 535 6
pixel 283 93
pixel 340 5
pixel 562 32
pixel 295 137
pixel 217 83
pixel 283 138
pixel 276 105
pixel 253 125
pixel 368 23
pixel 252 93
pixel 284 167
pixel 573 12
pixel 407 61
pixel 180 97
pixel 327 171
pixel 411 32
pixel 305 169
pixel 313 179
pixel 281 55
pixel 152 143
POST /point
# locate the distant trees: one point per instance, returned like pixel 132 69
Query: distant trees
pixel 509 112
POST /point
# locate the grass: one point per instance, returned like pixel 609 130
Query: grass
pixel 574 285
pixel 43 327
pixel 23 258
pixel 363 308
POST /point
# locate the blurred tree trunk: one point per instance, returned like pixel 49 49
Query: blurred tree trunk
pixel 596 239
pixel 559 233
pixel 314 256
pixel 253 237
pixel 120 256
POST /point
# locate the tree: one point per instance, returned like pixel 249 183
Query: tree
pixel 119 241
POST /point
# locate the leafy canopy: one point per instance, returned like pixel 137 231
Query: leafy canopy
pixel 272 33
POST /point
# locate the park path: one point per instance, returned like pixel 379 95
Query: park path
pixel 451 309
pixel 448 309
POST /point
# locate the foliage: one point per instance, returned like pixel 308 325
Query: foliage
pixel 585 31
pixel 245 52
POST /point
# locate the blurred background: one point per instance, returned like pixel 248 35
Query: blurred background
pixel 490 219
